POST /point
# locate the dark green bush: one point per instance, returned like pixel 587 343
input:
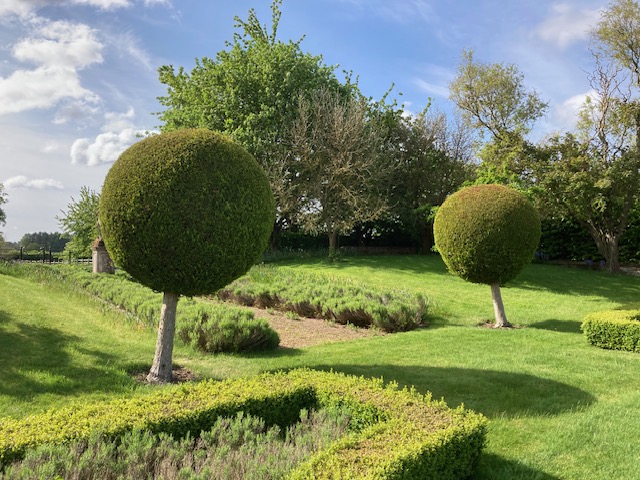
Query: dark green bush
pixel 338 300
pixel 487 233
pixel 613 329
pixel 186 212
pixel 399 434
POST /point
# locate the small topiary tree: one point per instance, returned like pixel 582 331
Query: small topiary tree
pixel 184 213
pixel 487 234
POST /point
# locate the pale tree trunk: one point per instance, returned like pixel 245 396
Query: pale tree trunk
pixel 498 307
pixel 162 368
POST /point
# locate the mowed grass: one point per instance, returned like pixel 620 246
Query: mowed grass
pixel 558 407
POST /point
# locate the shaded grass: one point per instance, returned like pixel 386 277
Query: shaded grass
pixel 558 407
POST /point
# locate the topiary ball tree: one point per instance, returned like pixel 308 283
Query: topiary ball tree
pixel 184 213
pixel 487 234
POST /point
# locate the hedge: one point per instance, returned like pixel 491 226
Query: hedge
pixel 339 300
pixel 613 329
pixel 208 327
pixel 395 433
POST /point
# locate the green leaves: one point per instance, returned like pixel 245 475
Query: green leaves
pixel 81 221
pixel 614 329
pixel 487 233
pixel 186 212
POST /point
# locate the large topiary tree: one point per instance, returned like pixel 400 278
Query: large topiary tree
pixel 487 234
pixel 185 213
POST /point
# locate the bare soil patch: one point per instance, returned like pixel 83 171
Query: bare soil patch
pixel 306 332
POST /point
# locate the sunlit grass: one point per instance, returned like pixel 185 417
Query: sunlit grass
pixel 559 408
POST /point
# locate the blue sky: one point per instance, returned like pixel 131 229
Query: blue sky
pixel 78 78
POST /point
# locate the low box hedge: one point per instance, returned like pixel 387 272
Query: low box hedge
pixel 613 329
pixel 395 433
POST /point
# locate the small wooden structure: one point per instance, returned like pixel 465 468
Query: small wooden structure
pixel 101 260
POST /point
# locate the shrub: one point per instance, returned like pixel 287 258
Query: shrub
pixel 238 447
pixel 614 329
pixel 338 300
pixel 186 211
pixel 218 331
pixel 487 233
pixel 395 433
pixel 209 327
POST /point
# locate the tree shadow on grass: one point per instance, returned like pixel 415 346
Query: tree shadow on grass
pixel 37 360
pixel 493 466
pixel 564 326
pixel 493 393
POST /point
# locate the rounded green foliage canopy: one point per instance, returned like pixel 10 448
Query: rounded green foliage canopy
pixel 487 233
pixel 186 212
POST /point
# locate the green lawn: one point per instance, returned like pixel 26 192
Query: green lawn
pixel 558 407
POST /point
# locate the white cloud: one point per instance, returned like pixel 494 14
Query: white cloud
pixel 21 181
pixel 566 114
pixel 438 90
pixel 75 111
pixel 104 4
pixel 59 49
pixel 25 7
pixel 119 133
pixel 436 82
pixel 105 148
pixel 566 25
pixel 119 121
pixel 60 44
pixel 19 7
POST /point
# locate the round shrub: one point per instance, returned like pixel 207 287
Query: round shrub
pixel 186 212
pixel 487 233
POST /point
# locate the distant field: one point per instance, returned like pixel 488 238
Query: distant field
pixel 558 407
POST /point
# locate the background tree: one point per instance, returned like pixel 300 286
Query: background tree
pixel 493 99
pixel 434 158
pixel 250 91
pixel 81 222
pixel 487 234
pixel 184 213
pixel 49 241
pixel 341 160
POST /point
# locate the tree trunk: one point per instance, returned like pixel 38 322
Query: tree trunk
pixel 498 307
pixel 162 368
pixel 426 237
pixel 274 241
pixel 333 241
pixel 608 246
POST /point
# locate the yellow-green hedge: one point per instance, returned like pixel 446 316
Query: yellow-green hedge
pixel 613 329
pixel 396 434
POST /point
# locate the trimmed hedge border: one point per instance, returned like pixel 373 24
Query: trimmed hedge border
pixel 613 329
pixel 395 434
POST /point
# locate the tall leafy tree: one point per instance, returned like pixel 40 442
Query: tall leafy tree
pixel 434 157
pixel 494 100
pixel 340 149
pixel 250 91
pixel 594 177
pixel 81 222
